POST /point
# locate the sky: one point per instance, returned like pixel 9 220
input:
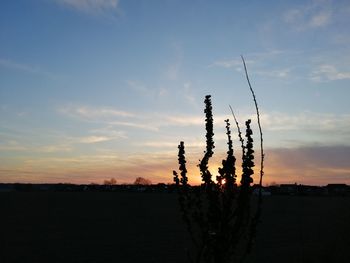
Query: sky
pixel 98 89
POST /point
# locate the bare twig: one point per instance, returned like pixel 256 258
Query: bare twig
pixel 260 129
pixel 239 132
pixel 255 219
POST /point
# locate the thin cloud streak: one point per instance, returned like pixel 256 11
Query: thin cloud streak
pixel 231 63
pixel 86 112
pixel 173 145
pixel 257 62
pixel 10 64
pixel 91 6
pixel 55 148
pixel 59 143
pixel 9 147
pixel 145 126
pixel 94 139
pixel 317 14
pixel 308 165
pixel 326 72
pixel 276 73
pixel 272 121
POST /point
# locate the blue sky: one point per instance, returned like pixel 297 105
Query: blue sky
pixel 94 89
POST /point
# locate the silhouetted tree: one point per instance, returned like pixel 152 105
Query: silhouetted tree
pixel 112 181
pixel 142 181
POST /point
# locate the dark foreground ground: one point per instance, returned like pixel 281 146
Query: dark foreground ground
pixel 147 227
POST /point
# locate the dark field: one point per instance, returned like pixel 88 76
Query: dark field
pixel 147 227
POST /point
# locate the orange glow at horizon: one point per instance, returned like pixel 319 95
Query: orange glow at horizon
pixel 290 167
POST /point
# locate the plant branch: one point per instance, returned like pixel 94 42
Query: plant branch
pixel 255 219
pixel 239 132
pixel 260 129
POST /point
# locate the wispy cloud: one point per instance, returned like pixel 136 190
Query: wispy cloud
pixel 277 121
pixel 309 165
pixel 93 113
pixel 321 19
pixel 109 131
pixel 10 64
pixel 55 142
pixel 138 125
pixel 160 144
pixel 94 139
pixel 183 120
pixel 227 63
pixel 55 148
pixel 194 145
pixel 330 128
pixel 12 145
pixel 236 63
pixel 138 87
pixel 328 72
pixel 16 146
pixel 257 63
pixel 275 73
pixel 97 135
pixel 91 6
pixel 341 39
pixel 109 116
pixel 237 66
pixel 114 117
pixel 188 95
pixel 308 16
pixel 173 70
pixel 146 91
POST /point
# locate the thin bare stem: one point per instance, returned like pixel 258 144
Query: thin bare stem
pixel 260 129
pixel 239 131
pixel 255 219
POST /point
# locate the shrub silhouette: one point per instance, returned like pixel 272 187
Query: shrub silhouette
pixel 218 214
pixel 112 181
pixel 142 181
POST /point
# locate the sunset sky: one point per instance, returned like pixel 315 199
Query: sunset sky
pixel 95 89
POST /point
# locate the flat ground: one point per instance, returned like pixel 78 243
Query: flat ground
pixel 147 227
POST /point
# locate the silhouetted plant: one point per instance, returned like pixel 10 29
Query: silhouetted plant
pixel 142 181
pixel 203 166
pixel 112 181
pixel 218 213
pixel 256 218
